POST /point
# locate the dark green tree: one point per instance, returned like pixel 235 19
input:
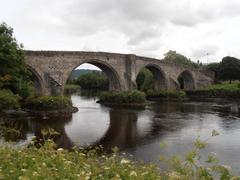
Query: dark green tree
pixel 93 81
pixel 13 72
pixel 215 67
pixel 174 57
pixel 229 69
pixel 145 80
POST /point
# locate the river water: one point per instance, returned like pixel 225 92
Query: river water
pixel 140 133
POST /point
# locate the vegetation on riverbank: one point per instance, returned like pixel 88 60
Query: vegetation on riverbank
pixel 123 97
pixel 133 99
pixel 48 103
pixel 165 94
pixel 46 162
pixel 71 88
pixel 222 90
pixel 8 100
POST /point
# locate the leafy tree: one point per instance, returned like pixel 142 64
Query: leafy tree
pixel 93 80
pixel 13 72
pixel 229 69
pixel 174 57
pixel 215 67
pixel 145 80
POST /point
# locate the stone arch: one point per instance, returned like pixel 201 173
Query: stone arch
pixel 37 80
pixel 186 80
pixel 111 73
pixel 160 80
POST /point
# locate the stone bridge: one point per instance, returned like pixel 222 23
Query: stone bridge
pixel 51 70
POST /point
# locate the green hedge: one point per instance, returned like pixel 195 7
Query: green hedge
pixel 48 103
pixel 8 100
pixel 166 94
pixel 123 97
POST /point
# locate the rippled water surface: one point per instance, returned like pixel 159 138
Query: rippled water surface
pixel 140 133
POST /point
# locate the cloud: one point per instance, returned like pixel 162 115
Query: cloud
pixel 190 27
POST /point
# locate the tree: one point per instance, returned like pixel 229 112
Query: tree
pixel 215 67
pixel 229 69
pixel 93 81
pixel 174 57
pixel 13 72
pixel 145 80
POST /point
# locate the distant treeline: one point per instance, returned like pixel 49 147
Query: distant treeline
pixel 91 79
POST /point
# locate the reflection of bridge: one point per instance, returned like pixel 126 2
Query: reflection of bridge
pixel 51 70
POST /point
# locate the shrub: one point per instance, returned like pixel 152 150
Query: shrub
pixel 48 103
pixel 123 97
pixel 166 94
pixel 8 100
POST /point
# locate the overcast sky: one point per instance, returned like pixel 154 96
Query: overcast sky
pixel 204 30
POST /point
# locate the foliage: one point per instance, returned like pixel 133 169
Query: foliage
pixel 145 80
pixel 46 162
pixel 176 58
pixel 123 97
pixel 48 103
pixel 93 80
pixel 229 69
pixel 71 88
pixel 215 68
pixel 166 94
pixel 222 90
pixel 13 71
pixel 8 100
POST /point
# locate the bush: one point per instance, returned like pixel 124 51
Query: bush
pixel 8 100
pixel 166 94
pixel 123 97
pixel 48 103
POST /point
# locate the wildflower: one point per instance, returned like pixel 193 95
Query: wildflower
pixel 174 176
pixel 60 149
pixel 226 167
pixel 124 161
pixel 133 173
pixel 23 170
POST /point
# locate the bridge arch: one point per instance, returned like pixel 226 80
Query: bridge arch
pixel 160 78
pixel 37 80
pixel 186 80
pixel 108 70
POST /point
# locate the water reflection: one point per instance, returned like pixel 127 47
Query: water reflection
pixel 139 132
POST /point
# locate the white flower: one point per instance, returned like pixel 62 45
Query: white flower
pixel 124 161
pixel 133 173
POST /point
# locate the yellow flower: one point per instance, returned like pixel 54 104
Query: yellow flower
pixel 124 161
pixel 133 173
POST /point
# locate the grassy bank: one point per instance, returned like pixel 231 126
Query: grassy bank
pixel 223 90
pixel 47 163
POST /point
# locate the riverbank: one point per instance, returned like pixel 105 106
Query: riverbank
pixel 223 90
pixel 45 162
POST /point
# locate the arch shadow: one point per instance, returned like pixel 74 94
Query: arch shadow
pixel 186 80
pixel 37 80
pixel 160 80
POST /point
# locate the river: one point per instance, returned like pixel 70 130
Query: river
pixel 139 134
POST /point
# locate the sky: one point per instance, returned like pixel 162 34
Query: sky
pixel 205 30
